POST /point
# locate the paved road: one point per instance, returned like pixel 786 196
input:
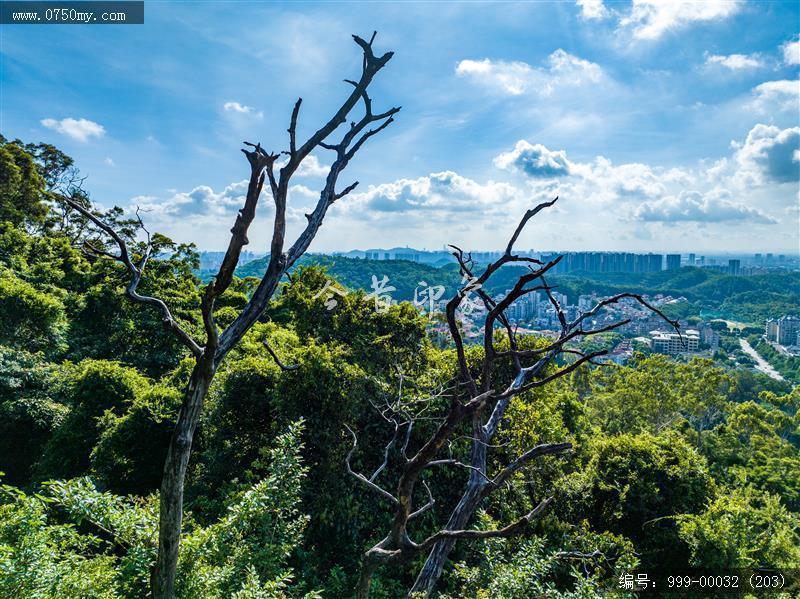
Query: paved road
pixel 761 363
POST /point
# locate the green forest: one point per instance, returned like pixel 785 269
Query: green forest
pixel 670 465
pixel 711 293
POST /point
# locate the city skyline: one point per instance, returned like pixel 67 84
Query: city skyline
pixel 660 126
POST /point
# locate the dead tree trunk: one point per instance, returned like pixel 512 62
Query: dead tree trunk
pixel 172 484
pixel 217 344
pixel 477 401
pixel 459 519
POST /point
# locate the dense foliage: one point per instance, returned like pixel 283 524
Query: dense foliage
pixel 674 464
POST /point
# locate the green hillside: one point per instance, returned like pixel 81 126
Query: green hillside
pixel 749 299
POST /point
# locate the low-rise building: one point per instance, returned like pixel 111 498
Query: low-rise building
pixel 675 343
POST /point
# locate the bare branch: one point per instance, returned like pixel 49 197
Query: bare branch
pixel 528 215
pixel 280 260
pixel 525 458
pixel 360 476
pixel 559 311
pixel 512 529
pixel 578 554
pixel 275 357
pixel 407 439
pixel 293 128
pixel 346 191
pixel 454 462
pixel 386 451
pixel 616 299
pixel 561 372
pixel 431 502
pixel 135 276
pixel 350 153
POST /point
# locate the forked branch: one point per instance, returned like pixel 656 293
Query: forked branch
pixel 135 274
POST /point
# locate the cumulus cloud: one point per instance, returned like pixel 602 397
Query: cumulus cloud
pixel 444 192
pixel 78 129
pixel 241 109
pixel 200 201
pixel 655 194
pixel 698 207
pixel 734 62
pixel 216 209
pixel 592 9
pixel 534 160
pixel 771 154
pixel 310 167
pixel 302 190
pixel 625 181
pixel 791 52
pixel 777 95
pixel 516 78
pixel 600 179
pixel 650 19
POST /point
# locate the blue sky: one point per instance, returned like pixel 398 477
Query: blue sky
pixel 662 126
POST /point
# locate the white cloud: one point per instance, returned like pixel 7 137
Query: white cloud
pixel 78 129
pixel 302 190
pixel 592 9
pixel 781 95
pixel 791 52
pixel 200 201
pixel 650 19
pixel 109 161
pixel 310 167
pixel 771 154
pixel 625 181
pixel 517 78
pixel 698 207
pixel 735 62
pixel 534 160
pixel 236 108
pixel 653 194
pixel 446 192
pixel 599 180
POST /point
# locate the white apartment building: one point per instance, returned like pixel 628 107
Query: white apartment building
pixel 674 343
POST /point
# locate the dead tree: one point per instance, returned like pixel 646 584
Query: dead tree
pixel 212 350
pixel 480 408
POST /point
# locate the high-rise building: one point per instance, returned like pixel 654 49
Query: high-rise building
pixel 788 327
pixel 734 267
pixel 691 259
pixel 709 336
pixel 783 330
pixel 603 262
pixel 656 260
pixel 771 330
pixel 673 261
